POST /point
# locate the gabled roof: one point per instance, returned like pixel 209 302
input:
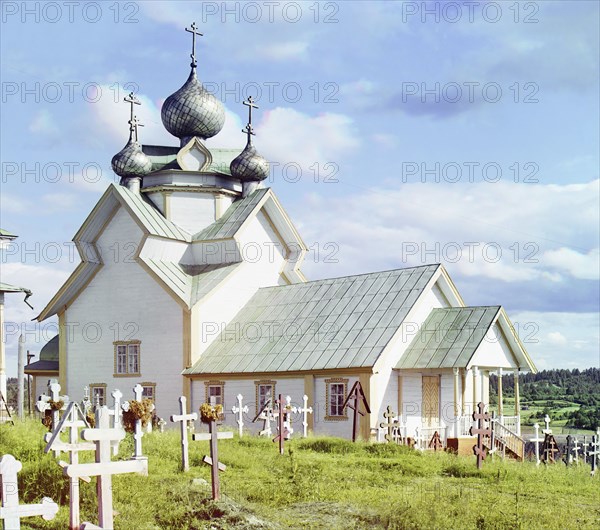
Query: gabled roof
pixel 232 220
pixel 190 283
pixel 4 234
pixel 450 337
pixel 326 324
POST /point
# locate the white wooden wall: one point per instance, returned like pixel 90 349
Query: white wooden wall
pixel 122 302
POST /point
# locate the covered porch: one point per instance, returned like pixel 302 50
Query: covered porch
pixel 445 372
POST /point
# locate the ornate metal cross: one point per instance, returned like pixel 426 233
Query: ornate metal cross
pixel 192 29
pixel 132 100
pixel 392 422
pixel 480 417
pixel 249 130
pixel 355 394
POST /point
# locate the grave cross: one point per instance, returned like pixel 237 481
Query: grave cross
pixel 390 416
pixel 547 429
pixel 549 449
pixel 305 410
pixel 184 418
pixel 354 395
pixel 436 442
pixel 213 459
pixel 593 452
pixel 10 511
pixel 266 414
pixel 138 392
pixel 73 419
pixel 161 424
pixel 117 414
pixel 44 402
pixel 288 410
pixel 104 467
pixel 536 441
pixel 568 456
pixel 481 431
pixel 240 410
pixel 282 432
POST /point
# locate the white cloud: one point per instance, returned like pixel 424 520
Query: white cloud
pixel 283 51
pixel 13 204
pixel 44 123
pixel 577 264
pixel 556 337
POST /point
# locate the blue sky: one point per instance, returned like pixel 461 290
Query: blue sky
pixel 424 132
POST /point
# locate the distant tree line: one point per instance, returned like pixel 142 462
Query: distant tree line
pixel 577 386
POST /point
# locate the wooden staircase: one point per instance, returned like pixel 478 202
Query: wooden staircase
pixel 505 441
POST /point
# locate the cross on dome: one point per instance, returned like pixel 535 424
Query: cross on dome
pixel 249 130
pixel 192 30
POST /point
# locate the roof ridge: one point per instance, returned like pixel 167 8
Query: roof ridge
pixel 353 276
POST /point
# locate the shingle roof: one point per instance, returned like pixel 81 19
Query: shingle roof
pixel 231 221
pixel 449 337
pixel 326 324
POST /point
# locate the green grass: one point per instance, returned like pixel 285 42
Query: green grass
pixel 319 483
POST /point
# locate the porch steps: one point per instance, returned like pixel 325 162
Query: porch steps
pixel 505 441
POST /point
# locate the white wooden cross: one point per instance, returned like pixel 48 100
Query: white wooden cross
pixel 287 412
pixel 117 414
pixel 536 441
pixel 547 429
pixel 11 512
pixel 240 410
pixel 161 424
pixel 73 419
pixel 305 410
pixel 104 467
pixel 184 418
pixel 593 453
pixel 43 403
pixel 138 391
pixel 576 448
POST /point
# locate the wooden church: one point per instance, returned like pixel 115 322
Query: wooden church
pixel 190 284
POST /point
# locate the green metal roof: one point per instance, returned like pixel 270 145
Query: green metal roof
pixel 231 221
pixel 449 337
pixel 149 216
pixel 166 158
pixel 190 282
pixel 50 350
pixel 326 324
pixel 6 234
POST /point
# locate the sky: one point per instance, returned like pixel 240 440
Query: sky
pixel 399 134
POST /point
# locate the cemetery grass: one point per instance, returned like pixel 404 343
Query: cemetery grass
pixel 319 483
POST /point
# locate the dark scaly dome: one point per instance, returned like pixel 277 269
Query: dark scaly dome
pixel 249 165
pixel 193 111
pixel 131 161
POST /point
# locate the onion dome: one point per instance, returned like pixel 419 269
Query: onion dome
pixel 192 110
pixel 131 161
pixel 249 166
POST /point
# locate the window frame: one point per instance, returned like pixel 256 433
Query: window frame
pixel 214 384
pixel 98 386
pixel 148 384
pixel 261 383
pixel 329 416
pixel 123 358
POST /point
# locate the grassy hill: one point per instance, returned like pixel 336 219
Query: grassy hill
pixel 319 483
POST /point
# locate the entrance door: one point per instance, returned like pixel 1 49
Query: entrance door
pixel 431 401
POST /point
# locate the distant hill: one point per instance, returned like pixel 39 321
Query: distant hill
pixel 579 387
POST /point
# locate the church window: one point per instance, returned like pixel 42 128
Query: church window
pixel 215 390
pixel 336 390
pixel 127 358
pixel 98 392
pixel 149 391
pixel 265 392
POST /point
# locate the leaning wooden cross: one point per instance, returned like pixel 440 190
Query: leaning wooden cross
pixel 11 511
pixel 209 413
pixel 481 431
pixel 104 467
pixel 183 418
pixel 354 395
pixel 267 415
pixel 72 420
